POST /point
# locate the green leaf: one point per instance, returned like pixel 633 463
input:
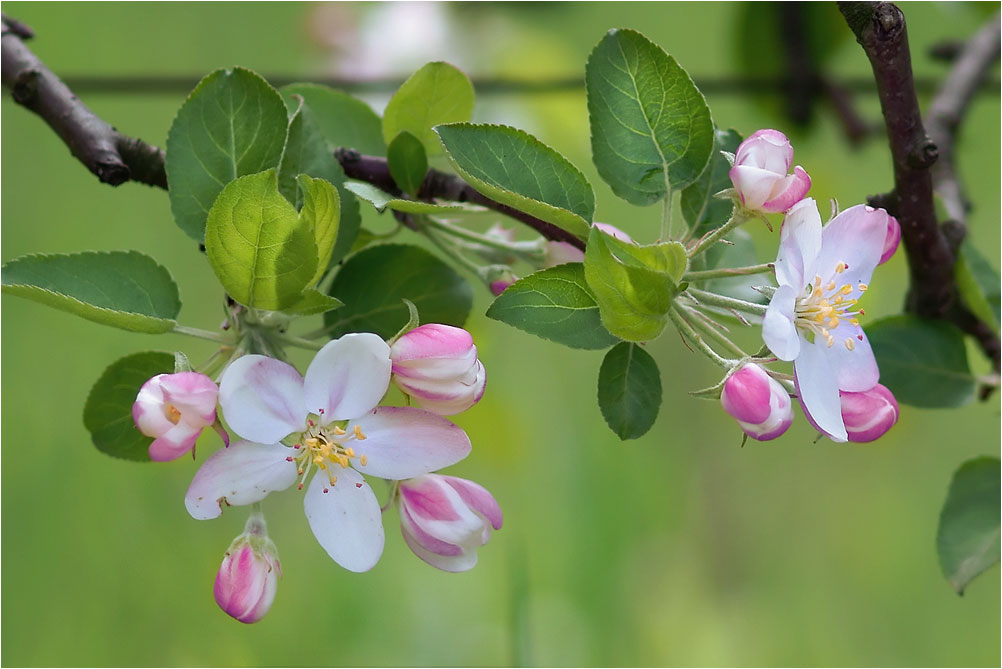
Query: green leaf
pixel 307 151
pixel 408 162
pixel 555 304
pixel 437 93
pixel 344 121
pixel 263 253
pixel 514 168
pixel 321 212
pixel 124 289
pixel 373 282
pixel 382 201
pixel 313 302
pixel 633 285
pixel 629 390
pixel 702 211
pixel 968 536
pixel 232 124
pixel 978 283
pixel 651 131
pixel 108 411
pixel 923 362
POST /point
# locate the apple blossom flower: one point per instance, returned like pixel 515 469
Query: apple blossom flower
pixel 445 519
pixel 558 253
pixel 868 415
pixel 248 577
pixel 437 365
pixel 812 318
pixel 327 422
pixel 758 402
pixel 175 408
pixel 892 240
pixel 760 173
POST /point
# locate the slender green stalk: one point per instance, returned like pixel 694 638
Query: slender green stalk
pixel 203 334
pixel 451 251
pixel 728 272
pixel 714 300
pixel 694 338
pixel 528 250
pixel 666 212
pixel 704 324
pixel 738 217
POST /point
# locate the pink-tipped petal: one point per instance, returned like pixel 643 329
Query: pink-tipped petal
pixel 348 377
pixel 243 473
pixel 869 415
pixel 464 561
pixel 193 394
pixel 262 399
pixel 799 245
pixel 754 184
pixel 148 411
pixel 178 441
pixel 766 148
pixel 856 368
pixel 856 237
pixel 892 239
pixel 788 192
pixel 438 510
pixel 346 519
pixel 613 231
pixel 246 584
pixel 746 394
pixel 478 499
pixel 404 442
pixel 434 340
pixel 818 389
pixel 558 253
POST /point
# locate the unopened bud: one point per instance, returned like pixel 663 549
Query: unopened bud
pixel 759 403
pixel 248 578
pixel 868 415
pixel 437 365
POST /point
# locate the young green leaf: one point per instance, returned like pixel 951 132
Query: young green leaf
pixel 263 253
pixel 516 169
pixel 313 302
pixel 408 162
pixel 232 124
pixel 702 211
pixel 108 411
pixel 651 131
pixel 343 120
pixel 923 362
pixel 382 201
pixel 321 212
pixel 629 390
pixel 968 536
pixel 555 304
pixel 633 285
pixel 978 283
pixel 374 281
pixel 124 289
pixel 437 93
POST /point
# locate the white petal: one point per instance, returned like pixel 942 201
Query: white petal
pixel 346 519
pixel 818 389
pixel 404 442
pixel 348 376
pixel 856 370
pixel 799 245
pixel 778 330
pixel 242 473
pixel 856 237
pixel 754 184
pixel 452 563
pixel 262 399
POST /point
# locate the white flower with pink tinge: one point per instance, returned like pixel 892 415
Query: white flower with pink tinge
pixel 760 173
pixel 437 365
pixel 812 318
pixel 175 408
pixel 327 422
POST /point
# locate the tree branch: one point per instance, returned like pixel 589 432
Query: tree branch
pixel 880 29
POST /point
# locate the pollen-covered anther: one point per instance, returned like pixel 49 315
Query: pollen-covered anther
pixel 863 287
pixel 849 343
pixel 173 414
pixel 358 433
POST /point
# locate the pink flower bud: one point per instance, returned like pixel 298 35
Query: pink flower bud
pixel 445 520
pixel 892 240
pixel 760 173
pixel 759 403
pixel 499 286
pixel 437 365
pixel 174 408
pixel 558 253
pixel 868 415
pixel 248 578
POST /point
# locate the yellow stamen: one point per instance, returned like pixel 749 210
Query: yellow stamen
pixel 863 287
pixel 850 344
pixel 358 433
pixel 338 431
pixel 364 460
pixel 173 415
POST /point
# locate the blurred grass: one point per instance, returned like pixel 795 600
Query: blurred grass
pixel 676 549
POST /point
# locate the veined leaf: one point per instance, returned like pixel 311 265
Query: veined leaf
pixel 382 201
pixel 651 131
pixel 407 161
pixel 514 168
pixel 702 211
pixel 978 283
pixel 343 120
pixel 321 212
pixel 437 93
pixel 629 390
pixel 124 289
pixel 968 536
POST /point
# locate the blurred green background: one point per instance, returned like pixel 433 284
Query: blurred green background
pixel 679 548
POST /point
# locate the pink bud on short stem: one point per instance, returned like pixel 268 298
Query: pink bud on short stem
pixel 759 403
pixel 868 415
pixel 445 520
pixel 174 408
pixel 760 173
pixel 437 366
pixel 892 240
pixel 248 578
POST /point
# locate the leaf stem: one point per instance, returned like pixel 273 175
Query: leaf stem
pixel 666 212
pixel 706 325
pixel 714 300
pixel 694 338
pixel 738 217
pixel 452 252
pixel 531 251
pixel 728 272
pixel 203 334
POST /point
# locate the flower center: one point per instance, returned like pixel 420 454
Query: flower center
pixel 325 447
pixel 172 413
pixel 825 304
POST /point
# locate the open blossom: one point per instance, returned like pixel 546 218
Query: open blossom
pixel 327 423
pixel 758 402
pixel 812 318
pixel 868 415
pixel 437 365
pixel 175 408
pixel 247 579
pixel 445 519
pixel 761 173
